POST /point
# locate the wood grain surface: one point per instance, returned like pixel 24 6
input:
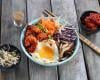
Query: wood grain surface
pixel 74 69
pixel 84 66
pixel 11 34
pixel 91 58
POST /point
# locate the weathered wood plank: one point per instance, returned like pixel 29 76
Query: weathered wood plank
pixel 0 30
pixel 92 59
pixel 4 19
pixel 74 69
pixel 10 34
pixel 0 11
pixel 35 8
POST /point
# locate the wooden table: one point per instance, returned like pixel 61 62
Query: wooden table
pixel 84 66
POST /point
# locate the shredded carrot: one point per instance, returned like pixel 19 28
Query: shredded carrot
pixel 49 24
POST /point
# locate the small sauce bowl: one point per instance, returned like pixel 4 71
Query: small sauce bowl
pixel 82 20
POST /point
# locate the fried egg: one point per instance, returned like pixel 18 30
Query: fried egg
pixel 46 52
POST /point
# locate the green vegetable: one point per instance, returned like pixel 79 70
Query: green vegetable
pixel 41 28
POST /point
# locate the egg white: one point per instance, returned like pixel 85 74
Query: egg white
pixel 54 47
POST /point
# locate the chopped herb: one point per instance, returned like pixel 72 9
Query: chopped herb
pixel 41 28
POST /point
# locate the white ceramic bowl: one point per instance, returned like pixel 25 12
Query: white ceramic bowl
pixel 44 64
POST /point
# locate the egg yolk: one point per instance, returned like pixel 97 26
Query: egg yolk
pixel 46 52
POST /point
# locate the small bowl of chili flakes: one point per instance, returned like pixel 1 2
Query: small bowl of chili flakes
pixel 90 21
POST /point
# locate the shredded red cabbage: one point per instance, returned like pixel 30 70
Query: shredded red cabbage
pixel 65 34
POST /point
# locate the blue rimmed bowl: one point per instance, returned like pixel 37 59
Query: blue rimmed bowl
pixel 45 64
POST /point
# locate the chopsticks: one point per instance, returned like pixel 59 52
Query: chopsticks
pixel 81 37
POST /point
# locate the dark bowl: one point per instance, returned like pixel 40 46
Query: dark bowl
pixel 82 18
pixel 8 47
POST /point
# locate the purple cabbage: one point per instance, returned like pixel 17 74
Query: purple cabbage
pixel 65 34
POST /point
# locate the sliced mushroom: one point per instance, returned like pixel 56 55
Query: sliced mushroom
pixel 63 48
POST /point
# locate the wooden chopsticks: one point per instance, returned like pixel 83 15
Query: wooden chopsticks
pixel 82 38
